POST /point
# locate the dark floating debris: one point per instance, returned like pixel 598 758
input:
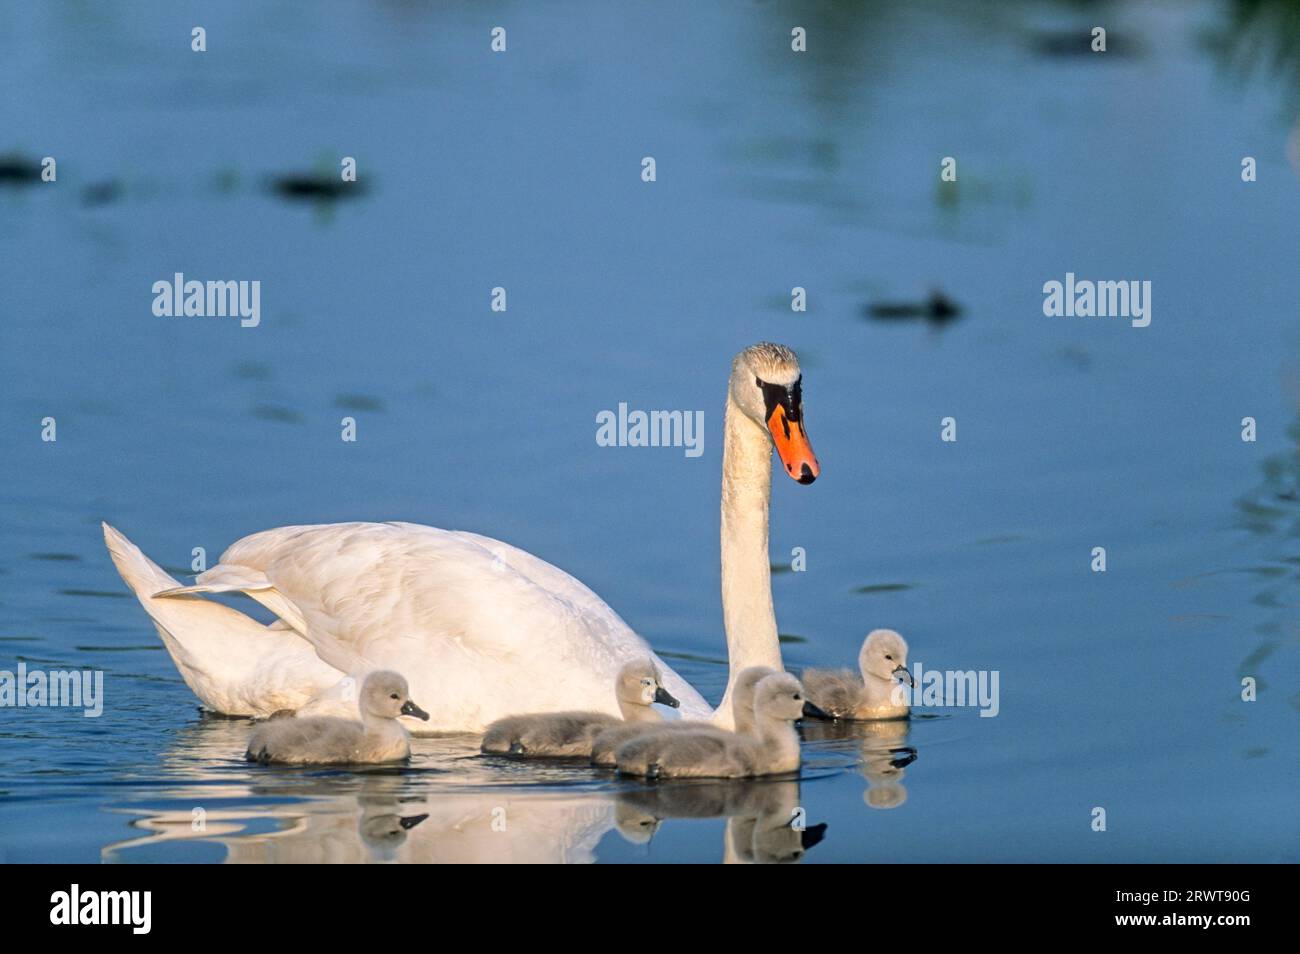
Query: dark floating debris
pixel 252 371
pixel 118 649
pixel 227 179
pixel 1076 356
pixel 314 187
pixel 1065 43
pixel 358 402
pixel 106 594
pixel 883 588
pixel 17 170
pixel 102 193
pixel 938 309
pixel 276 412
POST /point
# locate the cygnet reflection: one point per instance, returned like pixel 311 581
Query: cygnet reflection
pixel 766 824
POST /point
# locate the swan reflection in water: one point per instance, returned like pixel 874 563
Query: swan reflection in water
pixel 377 818
pixel 882 751
pixel 449 806
pixel 766 824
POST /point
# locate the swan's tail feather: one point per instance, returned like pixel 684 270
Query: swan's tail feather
pixel 222 578
pixel 139 572
pixel 233 578
pixel 216 648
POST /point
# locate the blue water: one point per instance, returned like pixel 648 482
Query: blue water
pixel 1118 690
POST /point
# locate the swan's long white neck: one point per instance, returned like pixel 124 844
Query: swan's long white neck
pixel 746 574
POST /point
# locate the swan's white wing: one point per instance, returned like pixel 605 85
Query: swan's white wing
pixel 233 663
pixel 545 575
pixel 576 593
pixel 231 578
pixel 480 629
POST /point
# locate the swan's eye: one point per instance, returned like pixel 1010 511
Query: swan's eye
pixel 788 397
pixel 394 696
pixel 889 657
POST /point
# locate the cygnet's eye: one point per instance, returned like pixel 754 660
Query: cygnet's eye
pixel 394 696
pixel 796 697
pixel 889 657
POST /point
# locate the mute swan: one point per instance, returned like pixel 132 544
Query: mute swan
pixel 569 734
pixel 608 741
pixel 711 753
pixel 882 661
pixel 478 626
pixel 326 740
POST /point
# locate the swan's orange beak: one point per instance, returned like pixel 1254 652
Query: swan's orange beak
pixel 792 446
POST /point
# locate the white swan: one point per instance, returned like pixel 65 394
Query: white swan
pixel 480 629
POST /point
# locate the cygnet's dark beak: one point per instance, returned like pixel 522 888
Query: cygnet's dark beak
pixel 900 672
pixel 811 711
pixel 664 698
pixel 902 758
pixel 812 835
pixel 410 821
pixel 411 709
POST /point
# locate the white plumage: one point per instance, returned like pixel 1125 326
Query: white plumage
pixel 479 628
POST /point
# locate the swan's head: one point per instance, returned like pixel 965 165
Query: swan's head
pixel 884 655
pixel 639 684
pixel 781 696
pixel 385 694
pixel 766 384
